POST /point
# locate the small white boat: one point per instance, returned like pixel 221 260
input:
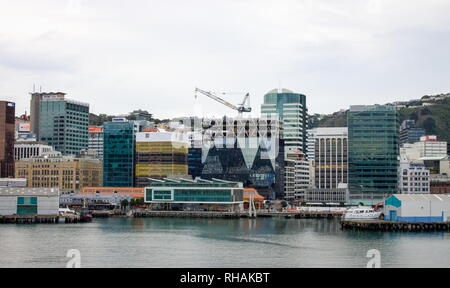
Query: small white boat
pixel 66 211
pixel 362 213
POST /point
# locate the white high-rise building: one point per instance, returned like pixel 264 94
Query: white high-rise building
pixel 327 147
pixel 95 142
pixel 429 146
pixel 414 178
pixel 297 178
pixel 25 150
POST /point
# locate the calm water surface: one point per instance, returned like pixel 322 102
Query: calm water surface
pixel 216 243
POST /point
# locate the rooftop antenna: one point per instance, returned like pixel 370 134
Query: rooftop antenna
pixel 34 87
pixel 280 89
pixel 40 89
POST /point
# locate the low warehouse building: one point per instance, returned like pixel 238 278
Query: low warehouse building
pixel 417 208
pixel 29 201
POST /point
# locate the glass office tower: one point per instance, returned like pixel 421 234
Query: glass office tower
pixel 63 124
pixel 373 152
pixel 291 109
pixel 118 154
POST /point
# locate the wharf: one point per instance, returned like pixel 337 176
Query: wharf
pixel 40 219
pixel 236 215
pixel 382 225
pixel 186 214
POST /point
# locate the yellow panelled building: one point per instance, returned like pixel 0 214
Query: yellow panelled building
pixel 159 155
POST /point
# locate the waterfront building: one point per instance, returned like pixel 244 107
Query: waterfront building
pixel 328 147
pixel 28 149
pixel 414 178
pixel 373 153
pixel 118 153
pixel 296 179
pixel 198 194
pixel 23 201
pixel 7 138
pixel 338 195
pixel 95 142
pixel 94 201
pixel 159 155
pixel 258 200
pixel 63 123
pixel 409 133
pixel 417 208
pixel 289 108
pixel 54 170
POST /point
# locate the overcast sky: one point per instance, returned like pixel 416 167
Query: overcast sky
pixel 124 55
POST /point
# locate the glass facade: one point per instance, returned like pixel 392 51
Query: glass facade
pixel 291 109
pixel 373 152
pixel 27 206
pixel 195 162
pixel 199 190
pixel 409 133
pixel 263 172
pixel 64 124
pixel 118 154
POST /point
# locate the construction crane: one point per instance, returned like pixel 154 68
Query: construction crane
pixel 243 107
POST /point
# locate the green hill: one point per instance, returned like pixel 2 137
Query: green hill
pixel 434 118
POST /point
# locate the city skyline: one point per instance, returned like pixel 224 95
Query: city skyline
pixel 337 54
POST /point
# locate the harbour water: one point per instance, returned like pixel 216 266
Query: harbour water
pixel 164 242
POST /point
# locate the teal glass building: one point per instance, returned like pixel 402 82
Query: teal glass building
pixel 198 194
pixel 373 153
pixel 118 154
pixel 63 124
pixel 291 109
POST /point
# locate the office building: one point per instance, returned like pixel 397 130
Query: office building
pixel 7 138
pixel 95 142
pixel 245 150
pixel 428 146
pixel 373 153
pixel 338 195
pixel 296 179
pixel 118 153
pixel 409 133
pixel 328 147
pixel 198 194
pixel 439 184
pixel 23 128
pixel 159 155
pixel 28 149
pixel 63 123
pixel 68 173
pixel 290 108
pixel 414 178
pixel 35 106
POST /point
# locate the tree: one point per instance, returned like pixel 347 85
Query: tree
pixel 124 203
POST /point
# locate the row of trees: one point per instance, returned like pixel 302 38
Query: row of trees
pixel 133 203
